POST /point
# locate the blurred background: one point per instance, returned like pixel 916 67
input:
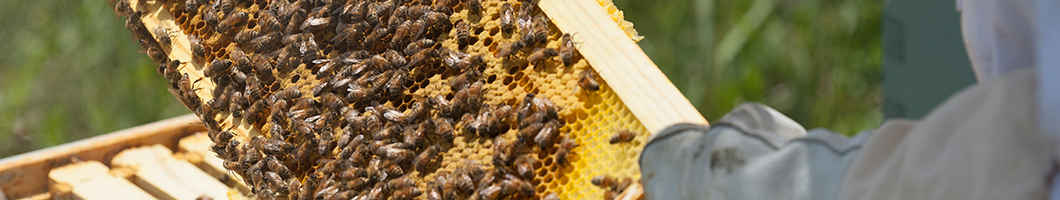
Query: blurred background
pixel 72 71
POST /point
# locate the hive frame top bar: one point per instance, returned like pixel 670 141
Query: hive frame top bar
pixel 646 91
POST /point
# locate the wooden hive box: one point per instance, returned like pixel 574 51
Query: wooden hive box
pixel 102 167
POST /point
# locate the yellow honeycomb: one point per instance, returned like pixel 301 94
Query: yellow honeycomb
pixel 591 117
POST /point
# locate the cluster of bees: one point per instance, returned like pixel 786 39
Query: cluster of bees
pixel 358 132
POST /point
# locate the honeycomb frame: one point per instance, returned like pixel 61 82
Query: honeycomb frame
pixel 591 117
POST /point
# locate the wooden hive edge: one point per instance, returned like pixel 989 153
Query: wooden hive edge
pixel 26 174
pixel 644 89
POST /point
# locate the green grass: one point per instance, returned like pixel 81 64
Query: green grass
pixel 71 71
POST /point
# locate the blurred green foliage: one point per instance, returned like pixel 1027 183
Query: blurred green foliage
pixel 817 61
pixel 70 70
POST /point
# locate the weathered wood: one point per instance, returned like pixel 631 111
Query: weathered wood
pixel 90 180
pixel 197 152
pixel 166 177
pixel 644 89
pixel 26 174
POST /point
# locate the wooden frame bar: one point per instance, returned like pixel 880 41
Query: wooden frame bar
pixel 27 174
pixel 631 74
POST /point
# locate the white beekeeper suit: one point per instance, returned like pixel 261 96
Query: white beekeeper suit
pixel 995 140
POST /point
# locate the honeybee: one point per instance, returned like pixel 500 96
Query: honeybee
pixel 133 23
pixel 623 184
pixel 433 193
pixel 462 181
pixel 393 169
pixel 540 30
pixel 377 62
pixel 231 21
pixel 474 92
pixel 469 123
pixel 297 17
pixel 520 186
pixel 623 136
pixel 217 67
pixel 418 45
pixel 239 77
pixel 414 134
pixel 253 113
pixel 301 153
pixel 501 116
pixel 376 11
pixel 397 154
pixel 503 151
pixel 395 116
pixel 198 53
pixel 395 58
pixel 546 106
pixel 246 35
pixel 463 32
pixel 424 159
pixel 541 54
pixel 566 49
pixel 454 59
pixel 418 109
pixel 122 8
pixel 406 193
pixel 328 192
pixel 464 80
pixel 396 85
pixel 526 133
pixel 157 55
pixel 397 16
pixel 358 183
pixel 421 56
pixel 524 166
pixel 332 101
pixel 290 93
pixel 474 5
pixel 211 15
pixel 376 34
pixel 545 135
pixel 417 28
pixel 162 35
pixel 276 182
pixel 587 81
pixel 506 17
pixel 491 192
pixel 509 49
pixel 604 181
pixel 609 195
pixel 169 70
pixel 436 19
pixel 268 22
pixel 399 183
pixel 314 23
pixel 444 127
pixel 241 61
pixel 565 146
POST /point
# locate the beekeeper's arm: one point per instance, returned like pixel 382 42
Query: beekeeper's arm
pixel 993 140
